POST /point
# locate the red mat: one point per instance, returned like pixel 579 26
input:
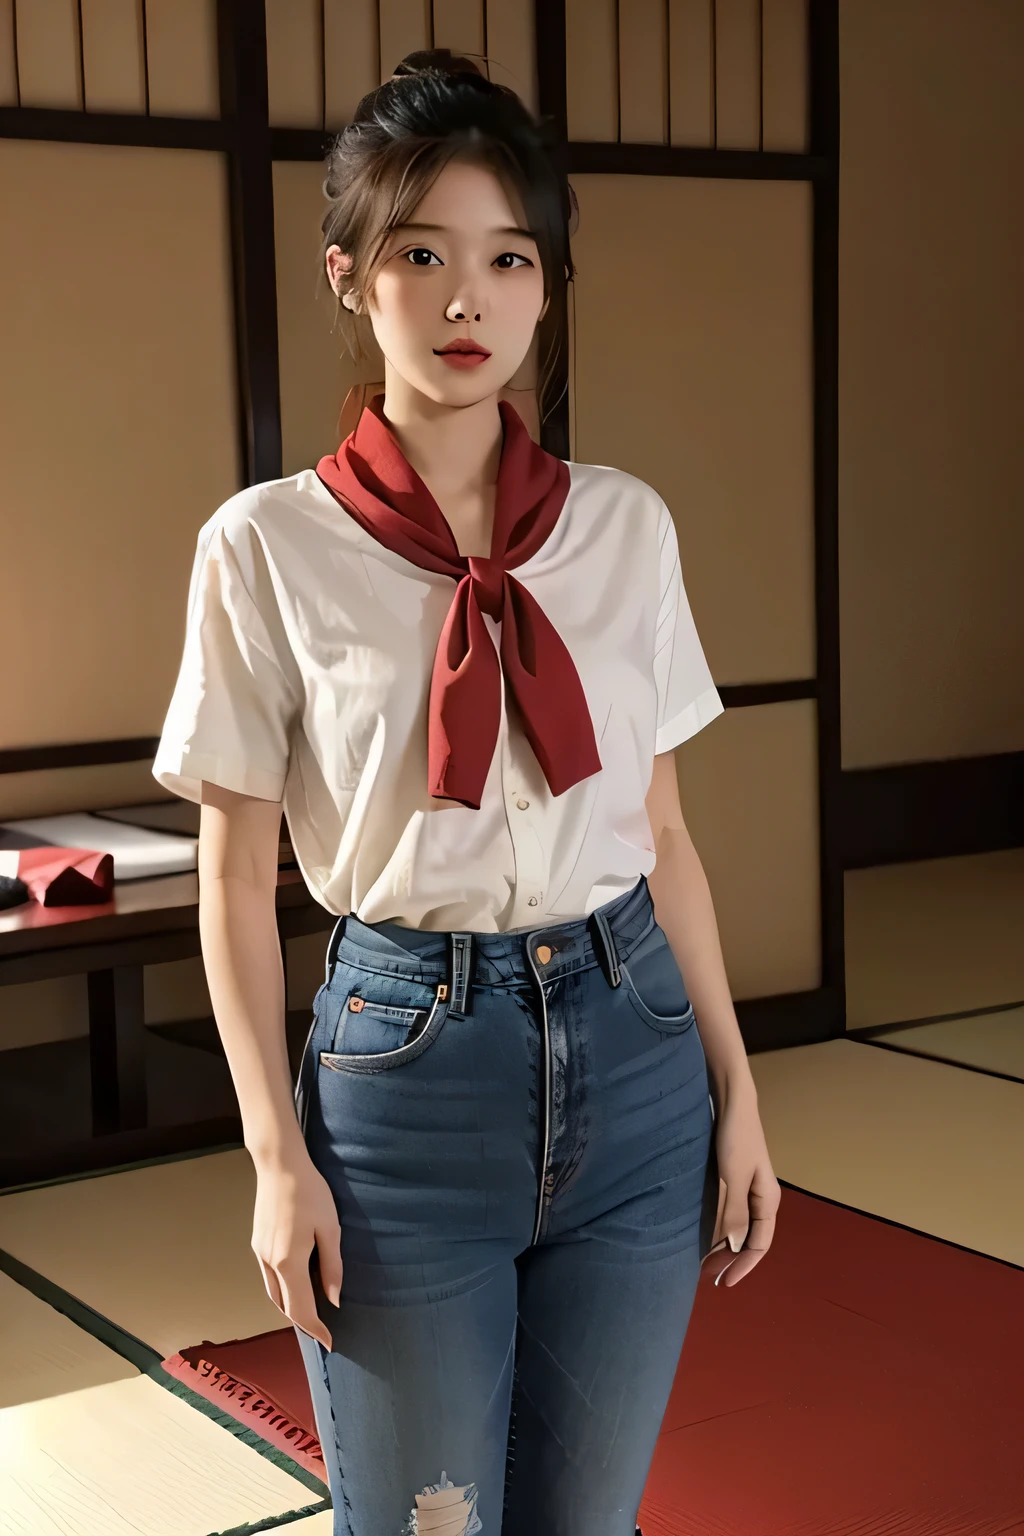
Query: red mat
pixel 261 1382
pixel 862 1381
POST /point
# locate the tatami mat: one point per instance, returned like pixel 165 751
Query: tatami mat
pixel 934 938
pixel 45 1354
pixel 89 1446
pixel 918 1142
pixel 992 1042
pixel 163 1251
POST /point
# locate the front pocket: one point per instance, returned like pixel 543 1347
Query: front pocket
pixel 387 1011
pixel 376 1035
pixel 655 986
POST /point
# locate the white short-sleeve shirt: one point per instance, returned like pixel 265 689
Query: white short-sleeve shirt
pixel 305 678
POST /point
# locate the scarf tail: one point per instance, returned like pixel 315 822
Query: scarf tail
pixel 465 704
pixel 545 684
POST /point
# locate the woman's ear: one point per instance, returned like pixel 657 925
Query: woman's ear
pixel 338 265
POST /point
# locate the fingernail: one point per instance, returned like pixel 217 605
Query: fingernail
pixel 334 1295
pixel 735 1243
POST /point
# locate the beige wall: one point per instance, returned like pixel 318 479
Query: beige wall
pixel 692 370
pixel 931 338
pixel 931 471
pixel 312 86
pixel 104 70
pixel 688 72
pixel 118 430
pixel 118 439
pixel 691 367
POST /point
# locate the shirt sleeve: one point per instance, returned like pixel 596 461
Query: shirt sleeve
pixel 238 690
pixel 687 697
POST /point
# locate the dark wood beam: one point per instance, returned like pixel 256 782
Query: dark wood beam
pixel 612 159
pixel 823 46
pixel 131 128
pixel 242 50
pixel 549 42
pixel 936 810
pixel 77 754
pixel 746 695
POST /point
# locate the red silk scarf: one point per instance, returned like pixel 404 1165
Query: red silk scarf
pixel 372 479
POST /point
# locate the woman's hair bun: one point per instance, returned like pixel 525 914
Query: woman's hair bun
pixel 426 61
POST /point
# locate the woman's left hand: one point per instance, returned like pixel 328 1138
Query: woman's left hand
pixel 752 1190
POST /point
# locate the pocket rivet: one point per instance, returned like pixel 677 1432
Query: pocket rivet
pixel 355 1004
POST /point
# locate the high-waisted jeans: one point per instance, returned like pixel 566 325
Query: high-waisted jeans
pixel 518 1134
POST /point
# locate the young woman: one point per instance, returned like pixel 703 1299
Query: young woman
pixel 462 665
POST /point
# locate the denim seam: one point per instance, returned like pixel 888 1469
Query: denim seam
pixel 323 1357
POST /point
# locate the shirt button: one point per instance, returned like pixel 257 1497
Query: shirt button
pixel 522 804
pixel 532 901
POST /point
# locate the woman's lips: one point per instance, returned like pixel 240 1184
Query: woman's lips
pixel 463 359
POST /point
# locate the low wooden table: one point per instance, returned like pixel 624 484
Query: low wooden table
pixel 147 923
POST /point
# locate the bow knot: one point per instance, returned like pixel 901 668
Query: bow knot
pixel 488 579
pixel 372 479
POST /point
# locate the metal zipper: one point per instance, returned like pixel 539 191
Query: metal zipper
pixel 547 1095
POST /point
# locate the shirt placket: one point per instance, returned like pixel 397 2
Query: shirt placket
pixel 522 812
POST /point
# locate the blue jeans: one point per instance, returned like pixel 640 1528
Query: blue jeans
pixel 517 1131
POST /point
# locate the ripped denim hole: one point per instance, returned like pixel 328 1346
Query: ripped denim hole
pixel 452 1510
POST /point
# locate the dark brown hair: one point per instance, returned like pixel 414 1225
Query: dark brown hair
pixel 438 106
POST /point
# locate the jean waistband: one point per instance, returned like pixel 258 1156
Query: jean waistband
pixel 606 937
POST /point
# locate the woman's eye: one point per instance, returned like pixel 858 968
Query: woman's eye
pixel 422 250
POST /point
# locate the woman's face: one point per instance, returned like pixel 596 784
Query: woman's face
pixel 473 274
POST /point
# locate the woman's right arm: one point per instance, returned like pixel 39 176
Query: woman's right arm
pixel 238 859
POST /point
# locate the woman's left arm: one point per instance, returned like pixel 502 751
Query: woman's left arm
pixel 684 909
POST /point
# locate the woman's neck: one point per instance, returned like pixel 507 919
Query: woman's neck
pixel 456 451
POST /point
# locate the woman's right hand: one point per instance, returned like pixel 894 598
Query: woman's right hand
pixel 294 1210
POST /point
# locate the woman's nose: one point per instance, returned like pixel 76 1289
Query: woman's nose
pixel 457 311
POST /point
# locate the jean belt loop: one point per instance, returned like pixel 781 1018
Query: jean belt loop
pixel 461 973
pixel 607 952
pixel 332 948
